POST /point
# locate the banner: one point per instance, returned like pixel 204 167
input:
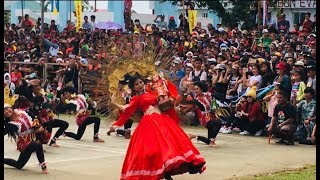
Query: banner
pixel 55 6
pixel 78 7
pixel 192 18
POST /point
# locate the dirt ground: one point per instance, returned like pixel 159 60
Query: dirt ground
pixel 234 156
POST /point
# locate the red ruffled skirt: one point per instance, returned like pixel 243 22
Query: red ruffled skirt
pixel 158 146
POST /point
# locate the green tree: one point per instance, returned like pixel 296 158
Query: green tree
pixel 6 16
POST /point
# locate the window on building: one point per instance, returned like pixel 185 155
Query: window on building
pixel 205 14
pixel 298 18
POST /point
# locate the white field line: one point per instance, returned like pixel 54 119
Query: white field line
pixel 219 143
pixel 79 159
pixel 93 148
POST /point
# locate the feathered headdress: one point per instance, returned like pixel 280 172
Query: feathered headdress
pixel 144 60
pixel 10 100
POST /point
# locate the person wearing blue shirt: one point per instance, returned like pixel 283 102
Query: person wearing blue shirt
pixel 177 73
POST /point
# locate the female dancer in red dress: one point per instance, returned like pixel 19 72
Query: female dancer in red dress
pixel 158 148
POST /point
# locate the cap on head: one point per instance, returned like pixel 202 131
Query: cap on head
pixel 281 66
pixel 252 92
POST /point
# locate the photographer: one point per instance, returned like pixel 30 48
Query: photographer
pixel 162 23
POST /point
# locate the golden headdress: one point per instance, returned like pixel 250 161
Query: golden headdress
pixel 10 100
pixel 146 62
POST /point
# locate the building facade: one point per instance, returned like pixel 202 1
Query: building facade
pixel 295 10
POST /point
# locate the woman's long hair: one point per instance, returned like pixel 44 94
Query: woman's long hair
pixel 132 80
pixel 11 134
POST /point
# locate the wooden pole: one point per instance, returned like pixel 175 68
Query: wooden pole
pixel 183 14
pixel 259 14
pixel 42 16
pixel 22 9
pixel 70 12
pixel 264 8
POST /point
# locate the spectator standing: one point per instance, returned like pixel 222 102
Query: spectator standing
pixel 283 24
pixel 137 26
pixel 270 23
pixel 184 24
pixel 53 26
pixel 197 74
pixel 172 23
pixel 93 22
pixel 16 76
pixel 27 23
pixel 307 23
pixel 70 26
pixel 177 73
pixel 86 24
pixel 314 23
pixel 265 39
pixel 20 22
pixel 161 23
pixel 9 83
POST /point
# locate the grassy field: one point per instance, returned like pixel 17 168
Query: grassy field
pixel 305 173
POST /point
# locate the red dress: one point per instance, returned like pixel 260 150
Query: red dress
pixel 158 144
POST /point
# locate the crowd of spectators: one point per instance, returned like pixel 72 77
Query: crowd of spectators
pixel 235 64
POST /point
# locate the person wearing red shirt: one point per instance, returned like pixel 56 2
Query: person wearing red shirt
pixel 27 22
pixel 15 76
pixel 307 24
pixel 251 115
pixel 70 26
pixel 296 29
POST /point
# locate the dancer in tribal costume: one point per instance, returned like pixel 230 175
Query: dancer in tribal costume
pixel 207 118
pixel 126 94
pixel 41 108
pixel 85 108
pixel 20 126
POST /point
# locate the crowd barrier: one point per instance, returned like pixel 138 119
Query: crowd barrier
pixel 44 70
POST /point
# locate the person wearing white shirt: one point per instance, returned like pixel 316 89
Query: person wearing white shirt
pixel 197 74
pixel 93 22
pixel 255 79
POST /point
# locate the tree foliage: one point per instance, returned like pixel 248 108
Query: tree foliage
pixel 240 11
pixel 6 17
